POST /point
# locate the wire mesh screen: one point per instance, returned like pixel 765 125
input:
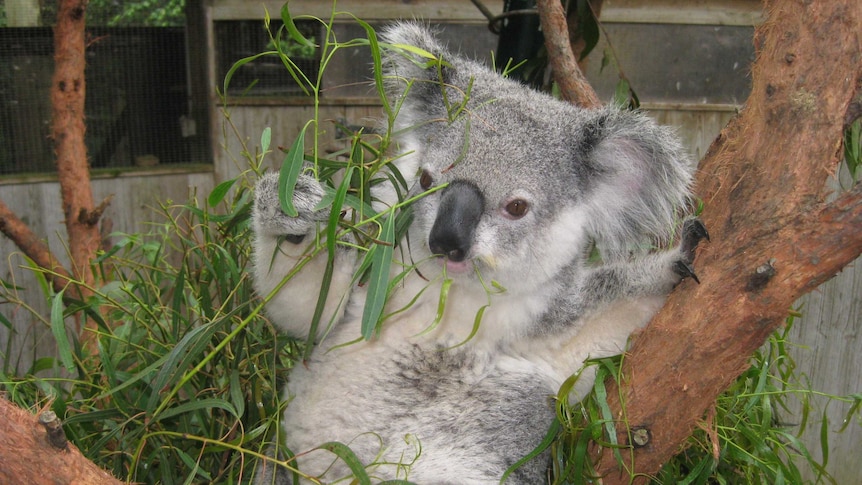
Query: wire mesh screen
pixel 136 100
pixel 266 75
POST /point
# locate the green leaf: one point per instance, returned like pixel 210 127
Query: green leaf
pixel 848 417
pixel 295 34
pixel 824 438
pixel 349 200
pixel 549 438
pixel 580 458
pixel 236 396
pixel 349 459
pixel 290 169
pixel 5 321
pixel 378 65
pixel 41 364
pixel 58 328
pixel 219 192
pixel 416 50
pixel 378 281
pixel 853 147
pixel 208 403
pixel 695 476
pixel 335 210
pixel 606 60
pixel 441 302
pixel 179 359
pixel 589 27
pixel 193 466
pixel 265 140
pixel 621 93
pixel 331 240
pixel 477 321
pixel 177 300
pixel 93 416
pixel 145 373
pixel 238 64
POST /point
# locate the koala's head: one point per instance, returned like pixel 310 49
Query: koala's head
pixel 529 180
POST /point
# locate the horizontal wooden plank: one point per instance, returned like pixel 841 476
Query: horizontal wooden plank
pixel 124 172
pixel 709 12
pixel 463 10
pixel 689 15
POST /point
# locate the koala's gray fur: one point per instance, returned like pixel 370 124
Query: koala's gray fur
pixel 411 402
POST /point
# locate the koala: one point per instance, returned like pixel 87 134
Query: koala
pixel 527 187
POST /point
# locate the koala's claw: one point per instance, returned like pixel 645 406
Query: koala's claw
pixel 693 232
pixel 685 270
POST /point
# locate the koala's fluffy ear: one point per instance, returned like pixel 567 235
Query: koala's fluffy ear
pixel 422 80
pixel 642 179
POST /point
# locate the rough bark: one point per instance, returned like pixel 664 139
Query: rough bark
pixel 574 87
pixel 30 456
pixel 774 238
pixel 68 88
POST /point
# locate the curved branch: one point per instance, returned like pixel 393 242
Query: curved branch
pixel 33 247
pixel 574 87
pixel 822 242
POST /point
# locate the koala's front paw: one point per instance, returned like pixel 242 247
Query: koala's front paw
pixel 269 220
pixel 693 232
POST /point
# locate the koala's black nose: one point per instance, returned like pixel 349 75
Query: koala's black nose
pixel 461 207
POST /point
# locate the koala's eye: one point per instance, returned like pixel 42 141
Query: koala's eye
pixel 425 180
pixel 517 208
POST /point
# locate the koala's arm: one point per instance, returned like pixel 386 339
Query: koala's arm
pixel 280 243
pixel 610 302
pixel 654 274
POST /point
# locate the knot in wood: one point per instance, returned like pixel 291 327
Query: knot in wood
pixel 641 436
pixel 761 276
pixel 52 424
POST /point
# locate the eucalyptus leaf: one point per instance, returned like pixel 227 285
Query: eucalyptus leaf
pixel 349 458
pixel 265 140
pixel 295 34
pixel 58 328
pixel 378 281
pixel 290 170
pixel 220 191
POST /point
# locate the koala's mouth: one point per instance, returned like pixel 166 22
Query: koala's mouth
pixel 455 267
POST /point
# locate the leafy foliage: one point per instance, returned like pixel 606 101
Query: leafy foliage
pixel 185 384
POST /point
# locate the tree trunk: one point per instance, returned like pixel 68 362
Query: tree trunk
pixel 763 184
pixel 68 89
pixel 30 455
pixel 82 218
